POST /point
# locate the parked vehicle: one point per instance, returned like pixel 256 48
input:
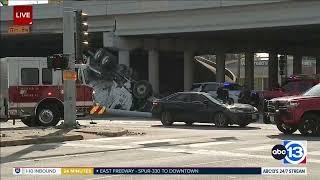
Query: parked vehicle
pixel 297 112
pixel 34 93
pixel 293 85
pixel 190 107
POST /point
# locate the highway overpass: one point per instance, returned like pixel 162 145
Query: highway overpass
pixel 187 27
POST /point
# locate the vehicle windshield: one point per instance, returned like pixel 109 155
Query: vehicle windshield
pixel 214 99
pixel 315 91
pixel 196 87
pixel 298 86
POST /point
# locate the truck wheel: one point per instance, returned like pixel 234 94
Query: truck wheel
pixel 166 118
pixel 29 121
pixel 48 115
pixel 310 125
pixel 286 129
pixel 142 89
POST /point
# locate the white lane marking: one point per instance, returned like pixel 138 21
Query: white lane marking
pixel 96 146
pixel 155 141
pixel 258 148
pixel 207 144
pixel 110 139
pixel 317 153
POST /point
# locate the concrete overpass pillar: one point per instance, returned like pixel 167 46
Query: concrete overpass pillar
pixel 318 65
pixel 297 63
pixel 273 70
pixel 249 70
pixel 153 67
pixel 124 57
pixel 220 60
pixel 188 70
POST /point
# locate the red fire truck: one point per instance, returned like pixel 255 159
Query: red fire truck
pixel 34 93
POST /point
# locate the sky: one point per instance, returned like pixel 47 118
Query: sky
pixel 22 2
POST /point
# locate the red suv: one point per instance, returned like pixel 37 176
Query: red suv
pixel 293 113
pixel 293 85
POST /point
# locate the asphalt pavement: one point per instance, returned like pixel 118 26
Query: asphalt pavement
pixel 200 145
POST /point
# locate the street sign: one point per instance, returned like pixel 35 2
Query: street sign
pixel 69 75
pixel 18 29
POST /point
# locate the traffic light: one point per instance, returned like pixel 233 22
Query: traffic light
pixel 57 62
pixel 282 64
pixel 81 34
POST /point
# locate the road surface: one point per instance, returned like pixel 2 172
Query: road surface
pixel 200 145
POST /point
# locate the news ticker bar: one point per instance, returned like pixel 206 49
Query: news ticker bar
pixel 160 170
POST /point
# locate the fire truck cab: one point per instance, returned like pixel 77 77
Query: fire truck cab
pixel 34 93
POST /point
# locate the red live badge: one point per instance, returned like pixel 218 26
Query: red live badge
pixel 22 15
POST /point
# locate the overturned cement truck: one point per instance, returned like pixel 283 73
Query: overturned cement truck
pixel 113 84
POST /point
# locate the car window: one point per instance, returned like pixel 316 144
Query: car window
pixel 289 86
pixel 196 87
pixel 315 91
pixel 181 97
pixel 213 99
pixel 198 97
pixel 304 86
pixel 46 76
pixel 29 76
pixel 299 86
pixel 210 87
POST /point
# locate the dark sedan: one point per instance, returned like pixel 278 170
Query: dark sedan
pixel 190 107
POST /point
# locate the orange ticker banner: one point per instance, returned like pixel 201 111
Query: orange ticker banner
pixel 69 75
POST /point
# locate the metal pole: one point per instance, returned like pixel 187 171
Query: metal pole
pixel 68 48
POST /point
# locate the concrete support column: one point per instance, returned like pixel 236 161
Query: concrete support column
pixel 220 60
pixel 297 63
pixel 124 57
pixel 153 67
pixel 249 70
pixel 188 70
pixel 273 70
pixel 318 65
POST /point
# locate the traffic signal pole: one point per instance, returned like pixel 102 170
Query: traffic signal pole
pixel 69 86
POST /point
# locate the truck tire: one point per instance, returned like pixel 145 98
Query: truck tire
pixel 29 121
pixel 48 115
pixel 142 89
pixel 286 129
pixel 310 124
